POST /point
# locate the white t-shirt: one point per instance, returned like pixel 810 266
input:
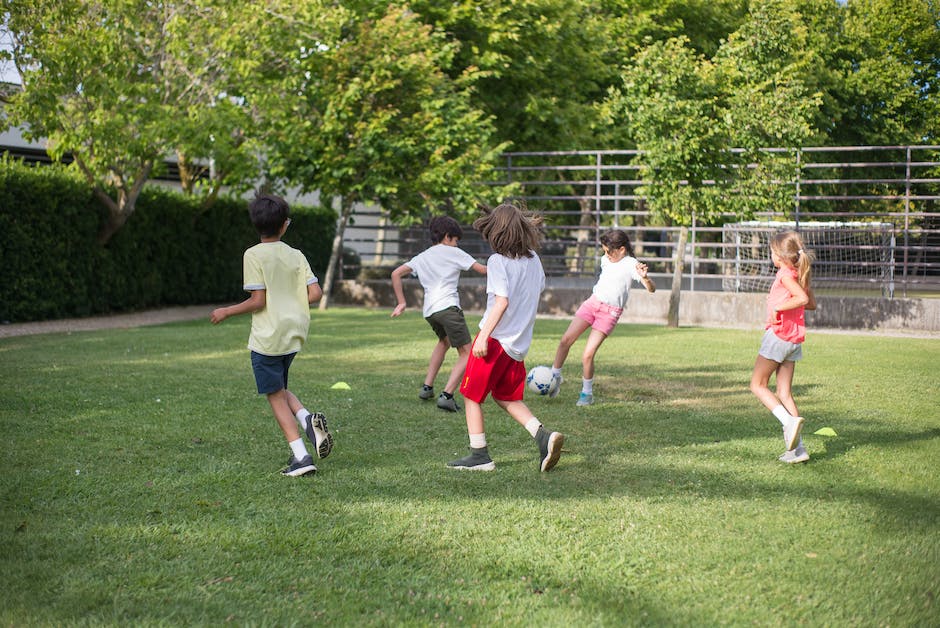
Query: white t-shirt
pixel 438 269
pixel 613 286
pixel 521 281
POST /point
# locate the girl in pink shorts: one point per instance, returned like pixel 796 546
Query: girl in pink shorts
pixel 601 311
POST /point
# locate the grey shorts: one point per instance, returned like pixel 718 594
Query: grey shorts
pixel 773 348
pixel 450 324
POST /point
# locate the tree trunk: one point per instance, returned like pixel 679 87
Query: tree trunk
pixel 336 256
pixel 672 319
pixel 584 235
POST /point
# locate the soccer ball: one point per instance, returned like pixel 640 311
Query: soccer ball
pixel 540 381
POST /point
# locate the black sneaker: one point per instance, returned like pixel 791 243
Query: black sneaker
pixel 478 460
pixel 549 448
pixel 447 403
pixel 426 392
pixel 315 428
pixel 297 468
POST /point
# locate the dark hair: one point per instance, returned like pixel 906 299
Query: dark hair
pixel 510 229
pixel 268 213
pixel 442 226
pixel 615 239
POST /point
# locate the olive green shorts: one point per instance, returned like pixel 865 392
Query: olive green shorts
pixel 450 324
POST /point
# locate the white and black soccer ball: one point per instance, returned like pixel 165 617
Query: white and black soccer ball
pixel 540 381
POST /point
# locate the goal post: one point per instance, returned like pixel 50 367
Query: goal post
pixel 851 257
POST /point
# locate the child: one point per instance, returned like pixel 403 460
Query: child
pixel 438 269
pixel 282 287
pixel 782 344
pixel 514 282
pixel 602 309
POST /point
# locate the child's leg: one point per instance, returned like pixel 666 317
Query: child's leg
pixel 594 341
pixel 280 404
pixel 574 331
pixel 517 410
pixel 474 413
pixel 437 359
pixel 282 413
pixel 549 442
pixel 792 424
pixel 784 387
pixel 760 380
pixel 456 373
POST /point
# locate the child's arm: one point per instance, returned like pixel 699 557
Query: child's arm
pixel 397 274
pixel 811 305
pixel 641 270
pixel 253 303
pixel 492 320
pixel 314 292
pixel 798 296
pixel 478 268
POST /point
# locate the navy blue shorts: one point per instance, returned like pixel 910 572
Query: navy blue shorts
pixel 271 371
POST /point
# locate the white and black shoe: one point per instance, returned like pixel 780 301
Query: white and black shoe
pixel 319 435
pixel 296 468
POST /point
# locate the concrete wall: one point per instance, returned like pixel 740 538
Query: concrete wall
pixel 705 309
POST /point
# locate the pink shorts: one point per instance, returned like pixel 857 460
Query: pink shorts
pixel 497 373
pixel 599 315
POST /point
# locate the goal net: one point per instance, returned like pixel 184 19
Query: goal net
pixel 851 257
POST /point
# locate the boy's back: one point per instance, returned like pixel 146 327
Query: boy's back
pixel 284 274
pixel 438 269
pixel 521 281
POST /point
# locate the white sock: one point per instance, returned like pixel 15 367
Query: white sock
pixel 556 371
pixel 301 417
pixel 299 449
pixel 587 386
pixel 782 415
pixel 532 426
pixel 477 441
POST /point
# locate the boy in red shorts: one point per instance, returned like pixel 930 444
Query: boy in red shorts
pixel 514 283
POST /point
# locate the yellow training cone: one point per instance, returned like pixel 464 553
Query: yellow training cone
pixel 825 431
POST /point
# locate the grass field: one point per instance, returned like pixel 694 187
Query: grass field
pixel 140 486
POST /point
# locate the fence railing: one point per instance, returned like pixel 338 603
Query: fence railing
pixel 879 202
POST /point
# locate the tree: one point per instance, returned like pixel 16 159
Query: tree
pixel 368 114
pixel 120 86
pixel 701 123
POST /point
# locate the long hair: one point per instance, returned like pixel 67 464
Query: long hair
pixel 615 239
pixel 788 245
pixel 510 229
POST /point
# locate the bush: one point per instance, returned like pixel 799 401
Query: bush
pixel 170 252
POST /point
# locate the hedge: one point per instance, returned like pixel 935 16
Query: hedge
pixel 170 251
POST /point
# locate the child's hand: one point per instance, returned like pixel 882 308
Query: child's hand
pixel 480 346
pixel 398 310
pixel 641 269
pixel 218 315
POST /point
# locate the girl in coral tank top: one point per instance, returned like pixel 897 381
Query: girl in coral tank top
pixel 782 344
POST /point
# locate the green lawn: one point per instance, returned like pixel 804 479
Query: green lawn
pixel 140 486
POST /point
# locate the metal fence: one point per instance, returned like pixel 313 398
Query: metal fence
pixel 878 205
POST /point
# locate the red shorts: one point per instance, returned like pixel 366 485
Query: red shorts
pixel 497 373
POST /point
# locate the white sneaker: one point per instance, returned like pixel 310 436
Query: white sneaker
pixel 791 432
pixel 555 387
pixel 795 455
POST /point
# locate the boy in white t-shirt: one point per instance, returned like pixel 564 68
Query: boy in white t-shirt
pixel 281 287
pixel 601 311
pixel 438 269
pixel 514 283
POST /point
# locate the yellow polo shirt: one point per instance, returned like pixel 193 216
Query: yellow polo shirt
pixel 284 274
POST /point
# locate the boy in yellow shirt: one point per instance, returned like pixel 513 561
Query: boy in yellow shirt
pixel 281 286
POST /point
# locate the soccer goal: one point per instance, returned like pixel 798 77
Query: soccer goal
pixel 851 257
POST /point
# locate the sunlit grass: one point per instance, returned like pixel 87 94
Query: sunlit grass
pixel 140 486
